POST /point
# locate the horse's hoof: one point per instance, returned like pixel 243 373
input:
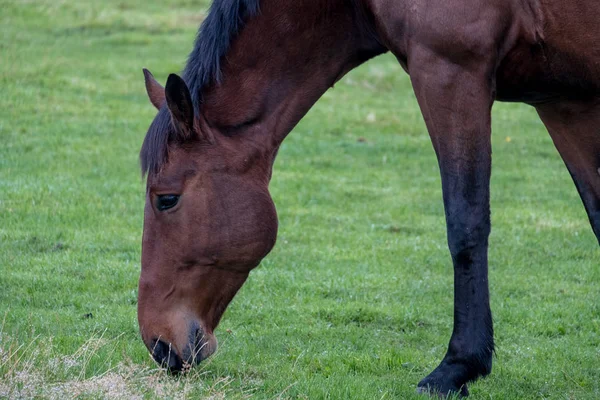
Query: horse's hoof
pixel 444 382
pixel 433 391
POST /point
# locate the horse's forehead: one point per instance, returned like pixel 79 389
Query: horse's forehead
pixel 179 163
pixel 173 175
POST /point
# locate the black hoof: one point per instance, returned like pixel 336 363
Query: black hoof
pixel 446 380
pixel 435 392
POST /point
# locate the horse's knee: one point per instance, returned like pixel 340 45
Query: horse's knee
pixel 466 240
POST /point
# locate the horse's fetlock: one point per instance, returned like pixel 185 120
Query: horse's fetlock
pixel 476 358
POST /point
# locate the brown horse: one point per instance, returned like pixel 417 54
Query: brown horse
pixel 258 66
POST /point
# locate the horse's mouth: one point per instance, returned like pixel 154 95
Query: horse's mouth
pixel 199 347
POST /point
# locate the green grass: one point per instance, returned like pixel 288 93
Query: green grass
pixel 355 300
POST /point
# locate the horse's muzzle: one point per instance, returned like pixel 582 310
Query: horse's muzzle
pixel 164 354
pixel 198 348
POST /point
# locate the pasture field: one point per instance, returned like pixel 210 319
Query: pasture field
pixel 355 301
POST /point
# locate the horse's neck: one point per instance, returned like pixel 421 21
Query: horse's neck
pixel 283 60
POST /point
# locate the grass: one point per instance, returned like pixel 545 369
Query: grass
pixel 355 300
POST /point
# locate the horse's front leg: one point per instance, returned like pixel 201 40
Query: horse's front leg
pixel 456 103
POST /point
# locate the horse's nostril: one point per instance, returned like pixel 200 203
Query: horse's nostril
pixel 197 340
pixel 166 356
pixel 192 352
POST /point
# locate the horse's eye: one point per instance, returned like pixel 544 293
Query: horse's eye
pixel 166 201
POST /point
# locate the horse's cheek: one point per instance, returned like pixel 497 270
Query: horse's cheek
pixel 255 232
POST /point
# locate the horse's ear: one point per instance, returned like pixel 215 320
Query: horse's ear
pixel 155 91
pixel 180 105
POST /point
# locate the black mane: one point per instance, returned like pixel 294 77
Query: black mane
pixel 224 21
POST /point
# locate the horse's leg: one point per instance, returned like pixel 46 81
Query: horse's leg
pixel 575 130
pixel 456 103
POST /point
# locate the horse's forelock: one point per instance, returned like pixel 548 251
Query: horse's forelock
pixel 155 148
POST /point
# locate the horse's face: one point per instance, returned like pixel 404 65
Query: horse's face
pixel 208 220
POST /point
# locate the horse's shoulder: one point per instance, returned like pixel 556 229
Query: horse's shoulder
pixel 456 29
pixel 471 26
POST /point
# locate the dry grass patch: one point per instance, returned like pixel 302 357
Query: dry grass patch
pixel 37 370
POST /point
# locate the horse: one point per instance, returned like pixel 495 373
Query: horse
pixel 256 68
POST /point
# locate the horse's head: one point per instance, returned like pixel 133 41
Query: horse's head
pixel 208 220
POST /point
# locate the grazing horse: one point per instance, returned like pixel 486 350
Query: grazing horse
pixel 256 68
